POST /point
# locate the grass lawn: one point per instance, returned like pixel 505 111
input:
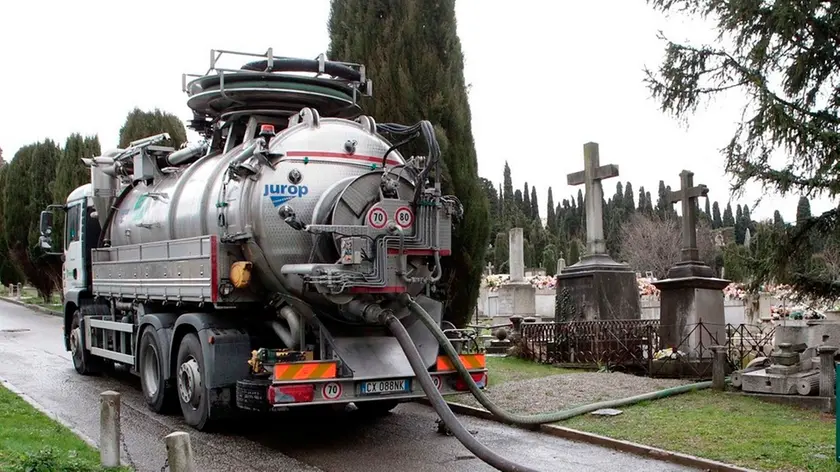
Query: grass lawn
pixel 31 441
pixel 510 369
pixel 737 430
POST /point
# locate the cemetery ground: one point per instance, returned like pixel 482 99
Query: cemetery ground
pixel 725 427
pixel 31 441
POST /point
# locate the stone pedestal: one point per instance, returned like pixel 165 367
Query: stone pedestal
pixel 686 302
pixel 517 298
pixel 598 289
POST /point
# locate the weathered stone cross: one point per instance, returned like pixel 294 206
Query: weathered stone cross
pixel 688 195
pixel 591 176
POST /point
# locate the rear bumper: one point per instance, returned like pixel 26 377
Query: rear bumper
pixel 282 395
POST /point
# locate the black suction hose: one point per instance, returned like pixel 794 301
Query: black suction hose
pixel 439 404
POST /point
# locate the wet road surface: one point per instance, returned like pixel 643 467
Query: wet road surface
pixel 33 359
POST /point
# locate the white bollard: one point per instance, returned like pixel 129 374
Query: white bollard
pixel 109 429
pixel 179 452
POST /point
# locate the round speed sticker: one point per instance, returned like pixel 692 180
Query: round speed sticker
pixel 404 217
pixel 331 390
pixel 377 218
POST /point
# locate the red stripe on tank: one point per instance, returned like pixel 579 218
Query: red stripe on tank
pixel 343 155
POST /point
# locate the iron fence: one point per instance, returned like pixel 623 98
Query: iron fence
pixel 638 346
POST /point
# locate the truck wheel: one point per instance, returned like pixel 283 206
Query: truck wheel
pixel 376 407
pixel 192 394
pixel 84 362
pixel 151 362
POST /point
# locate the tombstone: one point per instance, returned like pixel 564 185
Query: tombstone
pixel 747 238
pixel 691 293
pixel 488 270
pixel 599 287
pixel 517 297
pixel 561 264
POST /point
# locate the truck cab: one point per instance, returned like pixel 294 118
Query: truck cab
pixel 81 234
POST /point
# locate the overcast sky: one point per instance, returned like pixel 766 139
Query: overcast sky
pixel 546 77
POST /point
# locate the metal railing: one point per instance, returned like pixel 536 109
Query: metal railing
pixel 637 346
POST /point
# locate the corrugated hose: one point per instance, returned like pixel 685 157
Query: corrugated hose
pixel 451 421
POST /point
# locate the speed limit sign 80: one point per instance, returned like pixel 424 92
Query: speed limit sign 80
pixel 404 217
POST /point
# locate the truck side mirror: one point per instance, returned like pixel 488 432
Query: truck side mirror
pixel 46 224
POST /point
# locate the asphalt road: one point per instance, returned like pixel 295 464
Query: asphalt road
pixel 33 359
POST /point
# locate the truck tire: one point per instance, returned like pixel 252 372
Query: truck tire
pixel 84 362
pixel 192 393
pixel 150 361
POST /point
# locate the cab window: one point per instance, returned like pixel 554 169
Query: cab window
pixel 72 232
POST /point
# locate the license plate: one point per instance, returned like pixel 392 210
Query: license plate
pixel 377 387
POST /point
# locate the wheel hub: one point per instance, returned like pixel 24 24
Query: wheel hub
pixel 189 382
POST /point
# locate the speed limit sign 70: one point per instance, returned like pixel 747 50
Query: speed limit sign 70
pixel 377 218
pixel 404 217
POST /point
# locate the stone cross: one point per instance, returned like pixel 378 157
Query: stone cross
pixel 489 268
pixel 688 195
pixel 561 264
pixel 516 264
pixel 591 176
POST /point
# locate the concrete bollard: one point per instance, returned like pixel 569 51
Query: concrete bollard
pixel 179 452
pixel 719 368
pixel 109 428
pixel 827 370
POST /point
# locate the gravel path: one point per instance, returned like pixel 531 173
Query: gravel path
pixel 558 392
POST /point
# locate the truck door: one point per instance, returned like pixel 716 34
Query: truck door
pixel 74 266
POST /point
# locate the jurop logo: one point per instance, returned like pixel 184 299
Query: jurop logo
pixel 280 194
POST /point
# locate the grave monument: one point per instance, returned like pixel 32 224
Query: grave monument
pixel 517 297
pixel 599 287
pixel 691 293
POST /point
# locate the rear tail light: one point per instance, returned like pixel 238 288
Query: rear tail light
pixel 480 378
pixel 291 393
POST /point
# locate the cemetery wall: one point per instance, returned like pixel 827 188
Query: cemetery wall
pixel 736 310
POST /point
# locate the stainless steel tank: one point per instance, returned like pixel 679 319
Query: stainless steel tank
pixel 311 161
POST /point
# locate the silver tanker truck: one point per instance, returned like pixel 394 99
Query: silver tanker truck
pixel 259 268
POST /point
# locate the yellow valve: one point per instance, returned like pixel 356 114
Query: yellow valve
pixel 240 273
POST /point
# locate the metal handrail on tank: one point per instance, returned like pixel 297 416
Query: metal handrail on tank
pixel 319 66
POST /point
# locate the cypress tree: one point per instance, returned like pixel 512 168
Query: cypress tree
pixel 71 172
pixel 507 195
pixel 661 202
pixel 551 213
pixel 728 218
pixel 629 197
pixel 717 222
pixel 535 204
pixel 549 260
pixel 708 210
pixel 778 221
pixel 141 124
pixel 9 274
pixel 642 203
pixel 31 171
pixel 648 204
pixel 500 252
pixel 526 202
pixel 803 210
pixel 413 51
pixel 740 229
